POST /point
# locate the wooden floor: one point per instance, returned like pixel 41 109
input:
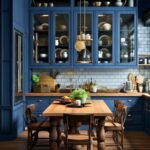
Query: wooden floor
pixel 133 141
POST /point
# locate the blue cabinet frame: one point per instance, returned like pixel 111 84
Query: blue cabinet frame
pixel 72 12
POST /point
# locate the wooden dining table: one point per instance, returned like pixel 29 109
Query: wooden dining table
pixel 98 108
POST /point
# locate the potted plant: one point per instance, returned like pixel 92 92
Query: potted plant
pixel 80 94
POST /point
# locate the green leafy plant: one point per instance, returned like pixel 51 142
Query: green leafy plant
pixel 35 79
pixel 79 94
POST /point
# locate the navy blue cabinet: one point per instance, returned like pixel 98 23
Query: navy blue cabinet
pixel 147 116
pixel 41 104
pixel 108 33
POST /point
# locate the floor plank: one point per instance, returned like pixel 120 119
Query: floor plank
pixel 133 141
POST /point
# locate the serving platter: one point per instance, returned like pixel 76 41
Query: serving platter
pixel 63 40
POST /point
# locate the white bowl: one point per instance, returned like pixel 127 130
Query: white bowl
pixel 106 3
pixel 43 55
pixel 63 27
pixel 107 26
pixel 97 3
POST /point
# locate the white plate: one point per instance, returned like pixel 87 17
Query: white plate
pixel 105 53
pixel 63 40
pixel 62 52
pixel 105 40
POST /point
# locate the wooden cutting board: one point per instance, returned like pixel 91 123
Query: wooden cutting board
pixel 48 80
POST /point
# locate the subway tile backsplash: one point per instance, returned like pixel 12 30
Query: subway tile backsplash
pixel 111 78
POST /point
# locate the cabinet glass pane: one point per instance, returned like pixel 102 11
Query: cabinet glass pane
pixel 105 38
pixel 127 41
pixel 62 38
pixel 40 38
pixel 84 34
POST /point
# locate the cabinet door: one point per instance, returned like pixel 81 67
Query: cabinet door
pixel 61 41
pixel 83 42
pixel 127 38
pixel 104 38
pixel 40 38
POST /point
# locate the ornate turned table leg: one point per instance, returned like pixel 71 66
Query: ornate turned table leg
pixel 101 134
pixel 53 133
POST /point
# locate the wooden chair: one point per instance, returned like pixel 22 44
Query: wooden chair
pixel 77 138
pixel 34 127
pixel 116 124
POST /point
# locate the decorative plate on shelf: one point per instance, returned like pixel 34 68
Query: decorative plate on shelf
pixel 64 53
pixel 63 40
pixel 105 53
pixel 105 40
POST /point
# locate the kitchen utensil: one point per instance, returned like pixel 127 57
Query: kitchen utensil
pixel 128 87
pixel 147 86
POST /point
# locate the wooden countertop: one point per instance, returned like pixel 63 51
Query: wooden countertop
pixel 91 94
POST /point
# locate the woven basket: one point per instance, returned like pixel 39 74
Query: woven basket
pixel 49 81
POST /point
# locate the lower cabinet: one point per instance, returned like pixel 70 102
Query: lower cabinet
pixel 147 116
pixel 41 104
pixel 135 110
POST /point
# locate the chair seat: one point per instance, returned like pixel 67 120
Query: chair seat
pixel 42 125
pixel 113 126
pixel 78 137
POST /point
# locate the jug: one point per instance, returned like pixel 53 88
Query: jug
pixel 120 3
pixel 131 3
pixel 128 87
pixel 147 86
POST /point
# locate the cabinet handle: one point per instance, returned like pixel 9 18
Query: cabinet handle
pixel 130 100
pixel 40 100
pixel 129 115
pixel 40 115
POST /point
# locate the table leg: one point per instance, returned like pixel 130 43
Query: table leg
pixel 101 134
pixel 54 133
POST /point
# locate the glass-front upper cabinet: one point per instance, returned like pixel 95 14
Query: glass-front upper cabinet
pixel 105 38
pixel 40 38
pixel 61 40
pixel 83 39
pixel 127 53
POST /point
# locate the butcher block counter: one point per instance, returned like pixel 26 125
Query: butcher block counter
pixel 91 94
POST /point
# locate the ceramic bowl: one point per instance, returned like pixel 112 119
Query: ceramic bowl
pixel 107 26
pixel 63 27
pixel 97 3
pixel 43 55
pixel 106 3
